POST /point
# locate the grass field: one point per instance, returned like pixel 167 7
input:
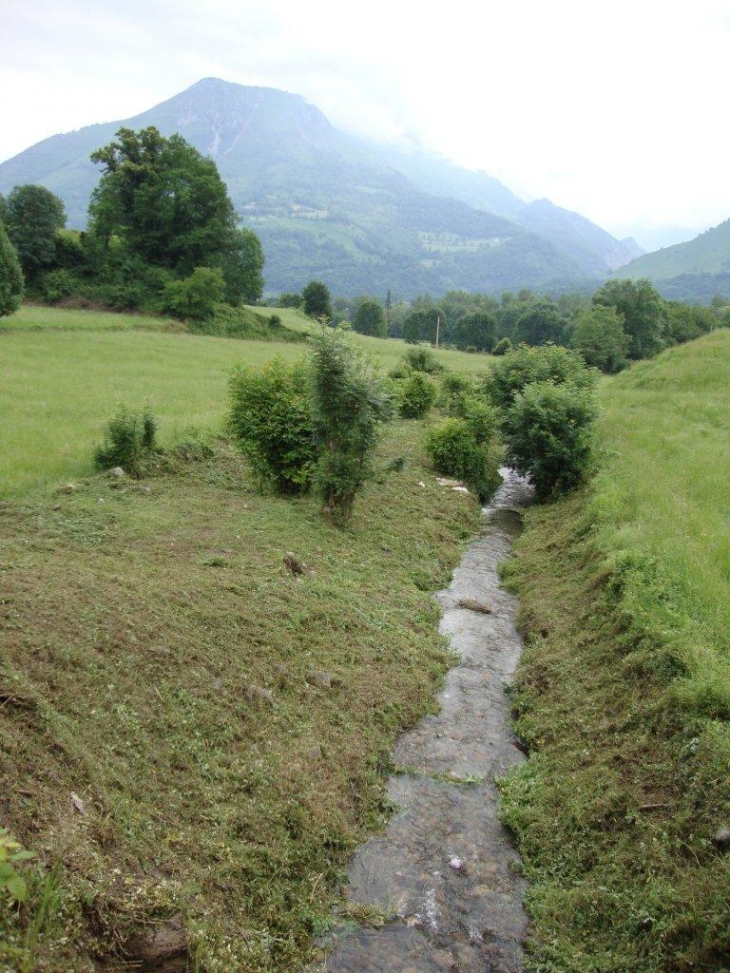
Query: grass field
pixel 623 694
pixel 65 372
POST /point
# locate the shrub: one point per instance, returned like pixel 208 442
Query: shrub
pixel 547 433
pixel 129 438
pixel 456 390
pixel 195 297
pixel 57 285
pixel 503 346
pixel 349 402
pixel 271 418
pixel 524 365
pixel 423 360
pixel 482 419
pixel 416 396
pixel 11 276
pixel 453 450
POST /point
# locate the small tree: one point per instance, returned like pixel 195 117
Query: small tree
pixel 369 319
pixel 11 276
pixel 523 366
pixel 349 402
pixel 128 439
pixel 195 297
pixel 316 300
pixel 34 215
pixel 416 395
pixel 547 433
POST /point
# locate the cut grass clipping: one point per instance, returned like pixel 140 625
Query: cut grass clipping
pixel 200 687
pixel 622 812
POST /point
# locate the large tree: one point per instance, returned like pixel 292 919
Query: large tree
pixel 11 276
pixel 33 216
pixel 316 300
pixel 163 201
pixel 643 311
pixel 370 319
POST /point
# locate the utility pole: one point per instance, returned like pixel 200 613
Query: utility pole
pixel 438 324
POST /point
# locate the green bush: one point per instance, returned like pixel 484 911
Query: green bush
pixel 423 360
pixel 525 365
pixel 271 418
pixel 349 402
pixel 129 438
pixel 57 285
pixel 503 346
pixel 195 297
pixel 454 451
pixel 11 276
pixel 456 391
pixel 548 433
pixel 416 396
pixel 482 419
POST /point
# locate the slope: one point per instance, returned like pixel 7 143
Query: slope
pixel 708 253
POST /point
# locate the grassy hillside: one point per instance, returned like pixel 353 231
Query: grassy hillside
pixel 70 370
pixel 623 695
pixel 709 253
pixel 193 738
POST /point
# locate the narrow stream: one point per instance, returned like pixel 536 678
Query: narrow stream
pixel 446 868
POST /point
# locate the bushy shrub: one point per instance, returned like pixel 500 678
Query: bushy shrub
pixel 503 346
pixel 423 360
pixel 349 402
pixel 525 365
pixel 11 276
pixel 195 297
pixel 453 450
pixel 129 438
pixel 482 419
pixel 271 419
pixel 456 390
pixel 416 396
pixel 547 433
pixel 57 285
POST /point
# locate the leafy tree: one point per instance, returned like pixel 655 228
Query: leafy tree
pixel 288 299
pixel 541 323
pixel 477 330
pixel 369 319
pixel 416 395
pixel 33 216
pixel 503 347
pixel 317 301
pixel 11 276
pixel 599 337
pixel 422 324
pixel 349 403
pixel 242 267
pixel 163 200
pixel 271 418
pixel 548 435
pixel 685 322
pixel 643 311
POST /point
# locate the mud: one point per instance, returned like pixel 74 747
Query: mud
pixel 446 875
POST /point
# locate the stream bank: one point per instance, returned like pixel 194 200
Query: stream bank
pixel 446 873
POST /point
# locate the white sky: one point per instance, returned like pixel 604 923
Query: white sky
pixel 618 110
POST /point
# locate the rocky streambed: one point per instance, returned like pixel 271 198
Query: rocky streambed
pixel 446 877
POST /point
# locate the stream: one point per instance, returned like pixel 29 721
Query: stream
pixel 446 874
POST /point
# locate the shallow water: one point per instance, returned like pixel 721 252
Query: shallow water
pixel 446 870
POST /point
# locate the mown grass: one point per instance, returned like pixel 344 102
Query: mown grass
pixel 65 372
pixel 189 730
pixel 623 691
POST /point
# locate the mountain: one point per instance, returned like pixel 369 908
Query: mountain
pixel 329 205
pixel 708 253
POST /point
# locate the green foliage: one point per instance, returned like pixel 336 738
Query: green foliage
pixel 33 217
pixel 643 311
pixel 12 884
pixel 541 322
pixel 503 346
pixel 349 403
pixel 195 297
pixel 477 330
pixel 548 435
pixel 456 391
pixel 370 319
pixel 422 325
pixel 57 285
pixel 687 322
pixel 423 360
pixel 525 365
pixel 129 439
pixel 599 337
pixel 416 395
pixel 242 264
pixel 11 276
pixel 454 451
pixel 271 418
pixel 316 300
pixel 289 299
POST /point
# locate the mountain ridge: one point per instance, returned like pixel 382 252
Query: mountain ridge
pixel 330 205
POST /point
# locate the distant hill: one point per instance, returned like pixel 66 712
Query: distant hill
pixel 709 253
pixel 329 205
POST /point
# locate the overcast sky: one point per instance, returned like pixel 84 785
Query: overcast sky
pixel 618 110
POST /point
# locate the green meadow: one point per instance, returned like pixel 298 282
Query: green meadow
pixel 65 372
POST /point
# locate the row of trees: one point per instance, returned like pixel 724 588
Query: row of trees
pixel 625 320
pixel 162 234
